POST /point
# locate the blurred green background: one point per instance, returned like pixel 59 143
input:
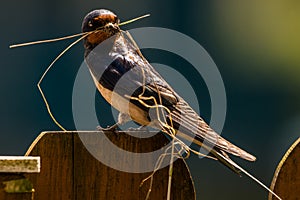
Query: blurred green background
pixel 255 45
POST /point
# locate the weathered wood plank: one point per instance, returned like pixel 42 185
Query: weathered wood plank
pixel 12 170
pixel 27 164
pixel 70 171
pixel 109 183
pixel 55 181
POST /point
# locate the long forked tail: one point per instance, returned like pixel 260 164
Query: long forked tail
pixel 236 168
pixel 222 157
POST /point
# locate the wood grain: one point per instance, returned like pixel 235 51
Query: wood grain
pixel 27 164
pixel 70 171
pixel 286 180
pixel 55 181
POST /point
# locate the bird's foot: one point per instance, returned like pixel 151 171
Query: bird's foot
pixel 112 128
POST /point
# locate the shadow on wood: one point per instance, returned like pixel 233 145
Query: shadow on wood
pixel 286 180
pixel 70 167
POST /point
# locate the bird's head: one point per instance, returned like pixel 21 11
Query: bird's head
pixel 105 24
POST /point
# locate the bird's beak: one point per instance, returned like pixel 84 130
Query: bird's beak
pixel 114 26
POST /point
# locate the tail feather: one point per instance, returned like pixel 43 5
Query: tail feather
pixel 236 168
pixel 224 159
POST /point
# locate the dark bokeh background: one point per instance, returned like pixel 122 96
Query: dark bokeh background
pixel 256 46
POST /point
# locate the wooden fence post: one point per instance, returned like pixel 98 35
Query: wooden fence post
pixel 286 180
pixel 70 171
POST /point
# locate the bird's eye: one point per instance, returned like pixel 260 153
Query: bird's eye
pixel 90 23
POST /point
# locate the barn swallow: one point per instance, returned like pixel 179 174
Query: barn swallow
pixel 143 88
